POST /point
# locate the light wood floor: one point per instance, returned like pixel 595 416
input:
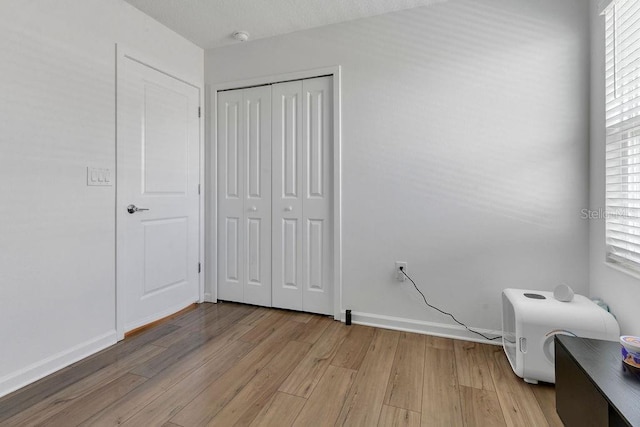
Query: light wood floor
pixel 231 364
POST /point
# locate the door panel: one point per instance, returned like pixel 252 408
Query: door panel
pixel 232 250
pixel 165 265
pixel 316 123
pixel 244 202
pixel 230 198
pixel 257 204
pixel 254 275
pixel 287 201
pixel 290 253
pixel 257 135
pixel 158 159
pixel 317 203
pixel 290 140
pixel 165 148
pixel 315 255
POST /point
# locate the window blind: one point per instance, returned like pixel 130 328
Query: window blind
pixel 622 75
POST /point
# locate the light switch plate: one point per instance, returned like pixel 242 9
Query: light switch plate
pixel 99 177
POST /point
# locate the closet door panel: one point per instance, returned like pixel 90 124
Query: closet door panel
pixel 317 196
pixel 257 191
pixel 288 192
pixel 231 274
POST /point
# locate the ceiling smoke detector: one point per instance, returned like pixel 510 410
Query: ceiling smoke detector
pixel 241 36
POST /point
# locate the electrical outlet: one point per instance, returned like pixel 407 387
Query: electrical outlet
pixel 399 275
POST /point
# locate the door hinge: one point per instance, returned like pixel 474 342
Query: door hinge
pixel 198 188
pixel 199 112
pixel 199 267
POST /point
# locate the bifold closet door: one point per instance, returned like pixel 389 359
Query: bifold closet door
pixel 302 195
pixel 244 195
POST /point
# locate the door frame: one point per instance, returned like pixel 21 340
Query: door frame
pixel 125 52
pixel 333 71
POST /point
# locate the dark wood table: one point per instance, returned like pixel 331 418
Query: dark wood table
pixel 592 386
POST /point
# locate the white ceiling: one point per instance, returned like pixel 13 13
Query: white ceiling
pixel 210 23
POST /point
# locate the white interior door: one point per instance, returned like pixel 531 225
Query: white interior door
pixel 157 194
pixel 244 195
pixel 302 195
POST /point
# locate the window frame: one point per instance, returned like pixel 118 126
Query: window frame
pixel 622 127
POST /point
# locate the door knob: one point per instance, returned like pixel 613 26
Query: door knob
pixel 133 209
pixel 288 209
pixel 253 209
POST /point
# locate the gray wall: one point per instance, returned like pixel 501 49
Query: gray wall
pixel 57 116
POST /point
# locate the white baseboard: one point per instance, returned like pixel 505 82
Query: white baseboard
pixel 34 372
pixel 209 298
pixel 421 327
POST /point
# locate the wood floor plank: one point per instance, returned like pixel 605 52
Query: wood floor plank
pixel 313 329
pixel 148 337
pixel 88 405
pixel 517 412
pixel 28 396
pixel 480 407
pixel 177 396
pixel 354 348
pixel 546 396
pixel 197 313
pixel 281 410
pixel 439 342
pixel 188 344
pixel 265 327
pixel 205 365
pixel 440 396
pixel 193 323
pixel 325 403
pixel 406 380
pixel 66 397
pixel 518 403
pixel 308 372
pixel 256 315
pixel 472 365
pixel 261 388
pixel 165 319
pixel 206 405
pixel 302 317
pixel 365 399
pixel 212 321
pixel 398 417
